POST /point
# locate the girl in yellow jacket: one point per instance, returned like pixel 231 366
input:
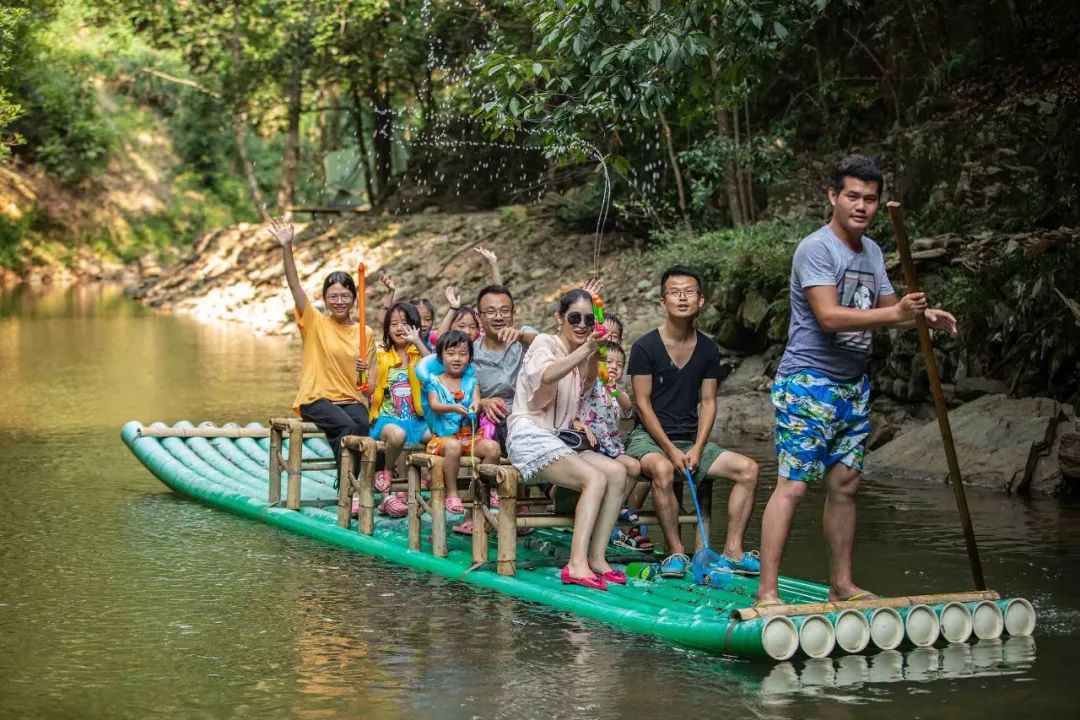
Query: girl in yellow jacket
pixel 396 413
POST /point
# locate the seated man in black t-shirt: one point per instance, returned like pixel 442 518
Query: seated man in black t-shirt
pixel 675 371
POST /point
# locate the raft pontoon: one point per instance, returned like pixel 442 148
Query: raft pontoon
pixel 229 468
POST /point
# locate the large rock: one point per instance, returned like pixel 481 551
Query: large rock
pixel 747 377
pixel 745 416
pixel 999 443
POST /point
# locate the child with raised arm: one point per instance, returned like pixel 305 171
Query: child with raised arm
pixel 396 403
pixel 451 397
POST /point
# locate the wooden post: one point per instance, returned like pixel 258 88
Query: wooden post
pixel 438 509
pixel 345 489
pixel 367 486
pixel 941 408
pixel 275 465
pixel 507 487
pixel 479 522
pixel 412 473
pixel 296 452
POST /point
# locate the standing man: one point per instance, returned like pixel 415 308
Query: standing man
pixel 839 294
pixel 497 356
pixel 675 371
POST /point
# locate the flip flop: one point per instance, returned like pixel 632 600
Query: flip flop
pixel 382 481
pixel 453 506
pixel 863 595
pixel 762 604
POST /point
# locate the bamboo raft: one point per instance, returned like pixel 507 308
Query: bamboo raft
pixel 229 468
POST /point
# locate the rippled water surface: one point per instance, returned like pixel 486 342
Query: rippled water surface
pixel 120 599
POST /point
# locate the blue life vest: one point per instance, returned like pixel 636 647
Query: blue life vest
pixel 444 424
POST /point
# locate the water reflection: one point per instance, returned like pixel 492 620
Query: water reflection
pixel 984 659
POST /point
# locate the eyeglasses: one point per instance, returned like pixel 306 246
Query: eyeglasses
pixel 687 293
pixel 493 313
pixel 576 318
pixel 339 298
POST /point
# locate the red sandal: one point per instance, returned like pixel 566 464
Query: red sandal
pixel 592 582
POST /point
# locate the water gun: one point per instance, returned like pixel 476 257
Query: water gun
pixel 598 316
pixel 361 381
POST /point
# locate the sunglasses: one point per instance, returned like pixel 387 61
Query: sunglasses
pixel 576 318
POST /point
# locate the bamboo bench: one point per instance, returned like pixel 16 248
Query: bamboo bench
pixel 357 476
pixel 475 500
pixel 507 480
pixel 295 463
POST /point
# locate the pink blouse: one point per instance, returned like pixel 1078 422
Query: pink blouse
pixel 553 407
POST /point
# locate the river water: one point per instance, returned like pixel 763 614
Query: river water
pixel 120 599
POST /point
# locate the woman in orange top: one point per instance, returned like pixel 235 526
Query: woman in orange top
pixel 328 394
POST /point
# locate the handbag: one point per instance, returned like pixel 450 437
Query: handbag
pixel 576 440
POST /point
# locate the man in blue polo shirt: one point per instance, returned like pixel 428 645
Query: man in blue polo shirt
pixel 839 294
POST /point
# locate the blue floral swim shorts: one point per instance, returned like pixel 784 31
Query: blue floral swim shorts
pixel 819 422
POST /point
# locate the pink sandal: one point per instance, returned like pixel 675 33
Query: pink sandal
pixel 394 506
pixel 454 506
pixel 355 512
pixel 594 582
pixel 382 481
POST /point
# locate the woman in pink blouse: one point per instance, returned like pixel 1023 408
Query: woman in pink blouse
pixel 555 375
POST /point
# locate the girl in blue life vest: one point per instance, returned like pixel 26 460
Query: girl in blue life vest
pixel 450 398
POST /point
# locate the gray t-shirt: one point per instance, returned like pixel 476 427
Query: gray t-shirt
pixel 860 280
pixel 496 372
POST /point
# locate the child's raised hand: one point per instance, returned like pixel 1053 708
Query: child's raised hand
pixel 281 231
pixel 488 255
pixel 388 281
pixel 452 297
pixel 412 334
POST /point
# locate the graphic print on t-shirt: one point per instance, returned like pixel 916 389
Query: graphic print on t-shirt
pixel 855 290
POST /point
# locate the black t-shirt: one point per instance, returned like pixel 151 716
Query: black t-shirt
pixel 675 390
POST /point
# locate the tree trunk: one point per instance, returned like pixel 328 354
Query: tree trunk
pixel 750 207
pixel 361 142
pixel 291 160
pixel 674 160
pixel 740 179
pixel 324 141
pixel 239 124
pixel 731 185
pixel 382 137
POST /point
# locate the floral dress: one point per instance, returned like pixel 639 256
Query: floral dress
pixel 600 412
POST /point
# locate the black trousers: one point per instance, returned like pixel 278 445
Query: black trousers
pixel 337 421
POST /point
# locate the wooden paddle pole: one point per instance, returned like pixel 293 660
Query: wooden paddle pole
pixel 912 281
pixel 361 309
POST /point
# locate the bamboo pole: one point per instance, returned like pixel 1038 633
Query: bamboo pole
pixel 203 432
pixel 438 509
pixel 367 453
pixel 506 551
pixel 275 466
pixel 750 613
pixel 479 523
pixel 413 475
pixel 912 281
pixel 345 489
pixel 296 452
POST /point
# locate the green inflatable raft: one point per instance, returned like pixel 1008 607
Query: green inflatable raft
pixel 231 473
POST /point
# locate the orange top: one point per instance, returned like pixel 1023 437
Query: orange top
pixel 328 367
